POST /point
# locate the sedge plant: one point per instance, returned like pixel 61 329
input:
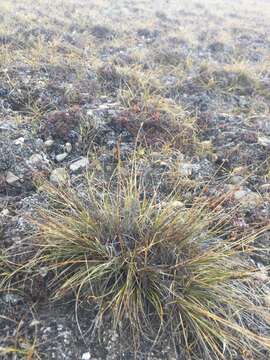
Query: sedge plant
pixel 155 268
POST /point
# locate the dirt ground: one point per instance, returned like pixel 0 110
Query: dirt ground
pixel 79 80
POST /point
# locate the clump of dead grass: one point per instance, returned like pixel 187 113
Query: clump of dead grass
pixel 155 268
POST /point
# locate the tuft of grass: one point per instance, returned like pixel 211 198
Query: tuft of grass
pixel 156 269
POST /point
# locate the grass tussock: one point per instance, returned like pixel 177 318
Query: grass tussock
pixel 156 268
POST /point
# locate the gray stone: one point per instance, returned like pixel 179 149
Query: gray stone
pixel 48 143
pixel 4 212
pixel 185 169
pixel 235 180
pixel 59 176
pixel 61 157
pixel 79 164
pixel 11 179
pixel 35 159
pixel 68 147
pixel 19 141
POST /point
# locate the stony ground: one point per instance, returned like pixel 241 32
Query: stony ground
pixel 79 80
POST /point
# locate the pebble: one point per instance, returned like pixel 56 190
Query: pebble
pixel 34 323
pixel 4 212
pixel 236 180
pixel 35 159
pixel 185 169
pixel 79 164
pixel 86 356
pixel 19 141
pixel 68 147
pixel 59 176
pixel 61 157
pixel 11 179
pixel 176 204
pixel 48 143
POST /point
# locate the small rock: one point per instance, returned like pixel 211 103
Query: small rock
pixel 185 169
pixel 79 164
pixel 19 141
pixel 176 204
pixel 236 180
pixel 264 141
pixel 48 143
pixel 59 176
pixel 11 179
pixel 43 271
pixel 35 159
pixel 68 147
pixel 86 356
pixel 34 323
pixel 247 197
pixel 61 157
pixel 4 212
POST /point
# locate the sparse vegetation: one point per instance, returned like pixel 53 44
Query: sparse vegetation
pixel 137 136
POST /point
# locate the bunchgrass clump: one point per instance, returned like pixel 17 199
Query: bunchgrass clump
pixel 156 268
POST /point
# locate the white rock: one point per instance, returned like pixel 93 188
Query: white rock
pixel 185 169
pixel 19 141
pixel 240 194
pixel 59 176
pixel 4 212
pixel 35 159
pixel 79 164
pixel 34 323
pixel 49 143
pixel 264 141
pixel 176 204
pixel 68 147
pixel 11 179
pixel 236 179
pixel 61 157
pixel 86 356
